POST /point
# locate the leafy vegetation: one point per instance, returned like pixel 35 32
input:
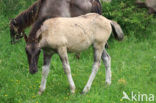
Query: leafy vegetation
pixel 133 61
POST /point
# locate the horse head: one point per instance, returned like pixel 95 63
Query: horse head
pixel 33 51
pixel 15 33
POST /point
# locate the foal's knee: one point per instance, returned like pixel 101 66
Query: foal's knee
pixel 106 60
pixel 67 70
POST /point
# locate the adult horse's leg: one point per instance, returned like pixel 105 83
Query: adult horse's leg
pixel 64 58
pixel 77 55
pixel 107 61
pixel 45 71
pixel 97 59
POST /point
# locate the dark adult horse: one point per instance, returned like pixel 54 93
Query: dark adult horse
pixel 43 9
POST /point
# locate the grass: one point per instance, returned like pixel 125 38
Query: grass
pixel 133 69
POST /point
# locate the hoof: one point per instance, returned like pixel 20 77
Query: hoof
pixel 85 90
pixel 108 83
pixel 72 91
pixel 83 93
pixel 39 93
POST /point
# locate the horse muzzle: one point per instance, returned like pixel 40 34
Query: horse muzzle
pixel 33 70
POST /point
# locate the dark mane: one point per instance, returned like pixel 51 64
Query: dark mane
pixel 28 17
pixel 32 36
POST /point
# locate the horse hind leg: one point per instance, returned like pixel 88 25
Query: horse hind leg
pixel 107 62
pixel 97 59
pixel 77 55
pixel 45 71
pixel 151 11
pixel 64 58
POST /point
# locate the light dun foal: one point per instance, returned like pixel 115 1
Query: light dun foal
pixel 62 35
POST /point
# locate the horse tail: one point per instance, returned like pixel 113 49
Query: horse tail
pixel 117 30
pixel 96 7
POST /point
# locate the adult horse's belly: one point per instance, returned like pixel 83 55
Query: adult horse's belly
pixel 151 4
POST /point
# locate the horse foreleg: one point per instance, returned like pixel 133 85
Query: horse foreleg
pixel 97 59
pixel 107 61
pixel 64 58
pixel 45 71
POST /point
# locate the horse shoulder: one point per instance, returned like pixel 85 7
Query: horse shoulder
pixel 54 34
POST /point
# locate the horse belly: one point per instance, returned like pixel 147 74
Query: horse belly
pixel 79 40
pixel 79 46
pixel 151 4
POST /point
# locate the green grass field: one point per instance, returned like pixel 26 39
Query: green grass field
pixel 133 70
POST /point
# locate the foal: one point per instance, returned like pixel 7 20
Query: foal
pixel 61 35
